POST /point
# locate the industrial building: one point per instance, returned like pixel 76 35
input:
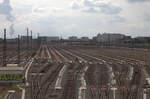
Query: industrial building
pixel 142 39
pixel 85 38
pixel 108 37
pixel 73 38
pixel 48 38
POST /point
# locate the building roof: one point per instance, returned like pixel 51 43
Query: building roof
pixel 11 68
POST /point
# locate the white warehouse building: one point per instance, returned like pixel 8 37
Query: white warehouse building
pixel 108 37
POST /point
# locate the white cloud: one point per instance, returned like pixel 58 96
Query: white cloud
pixel 86 17
pixel 133 1
pixel 96 6
pixel 75 5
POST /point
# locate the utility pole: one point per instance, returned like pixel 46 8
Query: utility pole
pixel 4 49
pixel 18 49
pixel 39 42
pixel 31 42
pixel 27 38
pixel 27 42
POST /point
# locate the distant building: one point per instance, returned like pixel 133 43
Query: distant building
pixel 12 41
pixel 42 38
pixel 48 39
pixel 84 38
pixel 142 39
pixel 73 38
pixel 126 40
pixel 24 38
pixel 94 38
pixel 108 37
pixel 52 38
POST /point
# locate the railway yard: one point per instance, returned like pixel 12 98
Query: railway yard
pixel 80 72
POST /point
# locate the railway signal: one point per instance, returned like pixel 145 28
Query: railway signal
pixel 4 49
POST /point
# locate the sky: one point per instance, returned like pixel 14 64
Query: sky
pixel 75 17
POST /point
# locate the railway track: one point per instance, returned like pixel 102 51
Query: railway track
pixel 86 75
pixel 41 84
pixel 90 80
pixel 69 89
pixel 121 74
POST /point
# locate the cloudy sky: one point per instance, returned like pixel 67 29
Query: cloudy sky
pixel 76 17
